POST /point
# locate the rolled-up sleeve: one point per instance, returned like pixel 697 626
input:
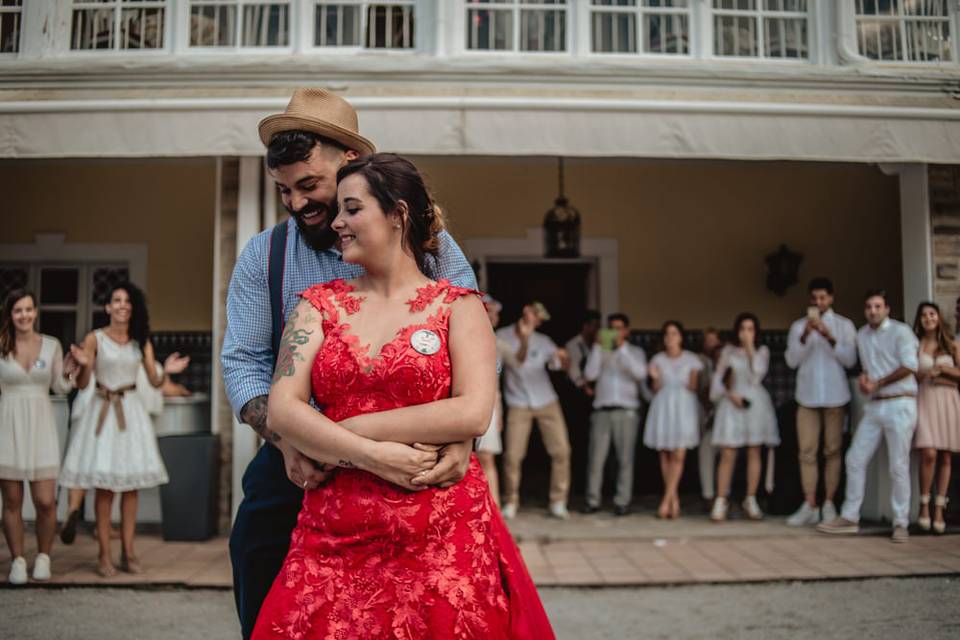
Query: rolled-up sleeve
pixel 908 348
pixel 247 354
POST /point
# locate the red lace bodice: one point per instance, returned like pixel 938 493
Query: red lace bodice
pixel 369 559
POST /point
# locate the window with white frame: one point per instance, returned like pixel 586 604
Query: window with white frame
pixel 118 25
pixel 383 24
pixel 517 25
pixel 648 26
pixel 71 296
pixel 244 23
pixel 777 29
pixel 904 30
pixel 11 14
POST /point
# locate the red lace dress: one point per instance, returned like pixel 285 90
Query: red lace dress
pixel 369 559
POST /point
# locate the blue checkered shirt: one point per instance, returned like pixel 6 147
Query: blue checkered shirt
pixel 247 354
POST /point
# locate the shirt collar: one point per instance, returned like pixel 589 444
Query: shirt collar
pixel 883 326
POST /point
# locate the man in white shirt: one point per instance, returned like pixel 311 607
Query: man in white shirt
pixel 821 346
pixel 617 368
pixel 888 356
pixel 530 396
pixel 706 452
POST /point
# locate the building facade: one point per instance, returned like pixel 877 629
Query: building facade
pixel 698 136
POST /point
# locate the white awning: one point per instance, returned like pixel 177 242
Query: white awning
pixel 499 125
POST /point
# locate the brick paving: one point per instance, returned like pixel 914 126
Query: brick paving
pixel 588 551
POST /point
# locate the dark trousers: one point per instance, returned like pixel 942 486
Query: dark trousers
pixel 261 532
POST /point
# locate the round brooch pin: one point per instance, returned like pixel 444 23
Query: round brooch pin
pixel 40 363
pixel 425 341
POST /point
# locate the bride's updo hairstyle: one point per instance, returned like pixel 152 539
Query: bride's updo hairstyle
pixel 393 179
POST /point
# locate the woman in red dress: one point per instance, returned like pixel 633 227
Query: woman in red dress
pixel 374 554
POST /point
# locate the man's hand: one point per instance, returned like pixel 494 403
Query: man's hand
pixel 451 467
pixel 301 470
pixel 867 386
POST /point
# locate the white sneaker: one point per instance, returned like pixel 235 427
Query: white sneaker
pixel 509 510
pixel 41 567
pixel 828 512
pixel 804 516
pixel 752 508
pixel 719 511
pixel 18 571
pixel 559 510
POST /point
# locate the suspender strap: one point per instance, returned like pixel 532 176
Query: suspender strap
pixel 278 250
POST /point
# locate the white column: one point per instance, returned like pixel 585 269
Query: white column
pixel 916 237
pixel 245 440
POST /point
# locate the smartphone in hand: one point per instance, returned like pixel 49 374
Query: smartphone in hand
pixel 607 338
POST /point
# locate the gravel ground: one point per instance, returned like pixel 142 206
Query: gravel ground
pixel 927 608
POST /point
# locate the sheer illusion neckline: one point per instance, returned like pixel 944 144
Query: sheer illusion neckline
pixel 364 353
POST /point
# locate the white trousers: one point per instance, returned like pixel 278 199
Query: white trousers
pixel 894 421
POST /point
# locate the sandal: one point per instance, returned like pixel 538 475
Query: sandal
pixel 923 522
pixel 663 512
pixel 939 526
pixel 130 564
pixel 106 569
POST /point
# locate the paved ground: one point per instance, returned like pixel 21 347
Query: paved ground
pixel 899 609
pixel 597 550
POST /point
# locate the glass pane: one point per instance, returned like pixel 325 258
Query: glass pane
pixel 489 30
pixel 266 25
pixel 390 27
pixel 927 40
pixel 213 26
pixel 11 277
pixel 615 3
pixel 614 33
pixel 665 3
pixel 878 7
pixel 11 3
pixel 742 5
pixel 926 8
pixel 61 325
pixel 104 279
pixel 92 29
pixel 9 32
pixel 785 38
pixel 735 36
pixel 337 25
pixel 543 30
pixel 797 6
pixel 879 40
pixel 667 33
pixel 58 286
pixel 141 29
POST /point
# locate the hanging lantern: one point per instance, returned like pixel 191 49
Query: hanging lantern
pixel 561 225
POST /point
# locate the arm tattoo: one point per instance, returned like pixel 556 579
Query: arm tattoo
pixel 293 337
pixel 254 413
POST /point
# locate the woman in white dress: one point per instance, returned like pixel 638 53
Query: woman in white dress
pixel 31 365
pixel 112 446
pixel 745 417
pixel 673 422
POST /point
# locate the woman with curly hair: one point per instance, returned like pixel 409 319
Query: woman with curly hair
pixel 112 447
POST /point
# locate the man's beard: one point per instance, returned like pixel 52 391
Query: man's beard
pixel 319 237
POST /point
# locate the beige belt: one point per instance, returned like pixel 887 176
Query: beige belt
pixel 112 398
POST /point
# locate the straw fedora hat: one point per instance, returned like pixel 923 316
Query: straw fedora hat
pixel 322 112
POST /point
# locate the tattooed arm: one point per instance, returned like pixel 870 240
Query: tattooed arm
pixel 290 415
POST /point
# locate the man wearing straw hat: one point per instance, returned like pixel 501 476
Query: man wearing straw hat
pixel 306 145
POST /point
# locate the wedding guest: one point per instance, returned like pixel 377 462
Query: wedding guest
pixel 938 411
pixel 673 422
pixel 706 453
pixel 821 346
pixel 617 367
pixel 745 417
pixel 31 365
pixel 112 447
pixel 888 354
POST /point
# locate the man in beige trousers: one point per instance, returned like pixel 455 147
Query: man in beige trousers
pixel 530 396
pixel 821 346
